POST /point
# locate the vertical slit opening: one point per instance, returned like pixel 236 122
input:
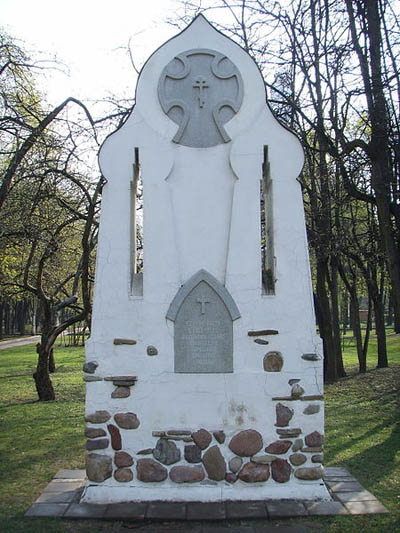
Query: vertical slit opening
pixel 266 220
pixel 136 228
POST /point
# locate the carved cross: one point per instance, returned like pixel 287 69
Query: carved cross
pixel 203 301
pixel 200 84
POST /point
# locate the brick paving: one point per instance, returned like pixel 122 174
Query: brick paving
pixel 61 498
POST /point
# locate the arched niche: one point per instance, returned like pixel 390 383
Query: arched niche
pixel 203 312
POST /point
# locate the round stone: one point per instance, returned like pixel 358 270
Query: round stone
pixel 90 367
pixel 123 475
pixel 235 464
pixel 93 433
pixel 318 458
pixel 278 447
pixel 254 473
pixel 152 350
pixel 202 438
pixel 297 391
pixel 127 420
pixel 231 478
pixel 246 443
pixel 192 453
pixel 283 415
pixel 123 459
pixel 309 474
pixel 166 452
pixel 97 444
pixel 314 439
pixel 297 445
pixel 121 392
pixel 219 436
pixel 186 474
pixel 311 409
pixel 297 459
pixel 116 441
pixel 214 463
pixel 273 362
pixel 98 467
pixel 150 471
pixel 281 470
pixel 98 417
pixel 263 459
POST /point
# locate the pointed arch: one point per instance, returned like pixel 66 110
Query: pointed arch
pixel 186 289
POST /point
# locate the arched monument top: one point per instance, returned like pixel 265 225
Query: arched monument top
pixel 185 290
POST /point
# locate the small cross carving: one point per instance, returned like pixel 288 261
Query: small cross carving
pixel 200 84
pixel 203 301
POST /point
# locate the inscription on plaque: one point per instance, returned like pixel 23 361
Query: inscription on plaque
pixel 203 312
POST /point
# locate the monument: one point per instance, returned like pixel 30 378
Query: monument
pixel 203 369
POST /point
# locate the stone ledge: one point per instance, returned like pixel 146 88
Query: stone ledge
pixel 61 499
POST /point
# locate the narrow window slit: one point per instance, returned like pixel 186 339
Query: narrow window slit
pixel 267 235
pixel 136 228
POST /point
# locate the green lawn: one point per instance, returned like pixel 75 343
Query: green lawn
pixel 38 439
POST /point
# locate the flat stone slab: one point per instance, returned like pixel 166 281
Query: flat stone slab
pixel 325 508
pixel 47 509
pixel 205 511
pixel 72 475
pixel 285 509
pixel 166 510
pixel 126 511
pixel 243 510
pixel 86 510
pixel 61 496
pixel 367 507
pixel 357 496
pixel 344 486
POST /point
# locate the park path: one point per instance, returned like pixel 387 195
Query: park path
pixel 21 341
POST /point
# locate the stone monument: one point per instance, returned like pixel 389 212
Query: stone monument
pixel 203 369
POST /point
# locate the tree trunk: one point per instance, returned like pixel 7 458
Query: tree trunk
pixel 44 386
pixel 52 363
pixel 368 329
pixel 325 322
pixel 362 363
pixel 333 286
pixel 380 333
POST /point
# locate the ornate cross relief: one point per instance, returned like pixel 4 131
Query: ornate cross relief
pixel 200 90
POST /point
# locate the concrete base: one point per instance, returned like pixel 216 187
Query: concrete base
pixel 104 493
pixel 63 498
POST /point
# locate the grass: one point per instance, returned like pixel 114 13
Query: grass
pixel 37 439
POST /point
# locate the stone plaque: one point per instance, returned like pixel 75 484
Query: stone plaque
pixel 200 90
pixel 203 312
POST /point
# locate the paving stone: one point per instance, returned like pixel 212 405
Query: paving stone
pixel 70 474
pixel 285 509
pixel 166 510
pixel 281 529
pixel 336 471
pixel 63 486
pixel 325 508
pixel 56 497
pixel 367 507
pixel 205 511
pixel 244 510
pixel 85 510
pixel 344 486
pixel 124 511
pixel 357 496
pixel 47 509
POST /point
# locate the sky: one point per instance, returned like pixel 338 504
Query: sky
pixel 88 37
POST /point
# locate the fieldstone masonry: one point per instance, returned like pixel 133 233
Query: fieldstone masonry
pixel 203 371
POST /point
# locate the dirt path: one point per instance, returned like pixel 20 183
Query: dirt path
pixel 21 341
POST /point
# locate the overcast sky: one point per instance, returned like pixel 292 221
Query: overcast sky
pixel 87 36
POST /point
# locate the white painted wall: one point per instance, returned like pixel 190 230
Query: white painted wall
pixel 212 194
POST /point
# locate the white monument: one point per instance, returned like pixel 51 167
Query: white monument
pixel 203 370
